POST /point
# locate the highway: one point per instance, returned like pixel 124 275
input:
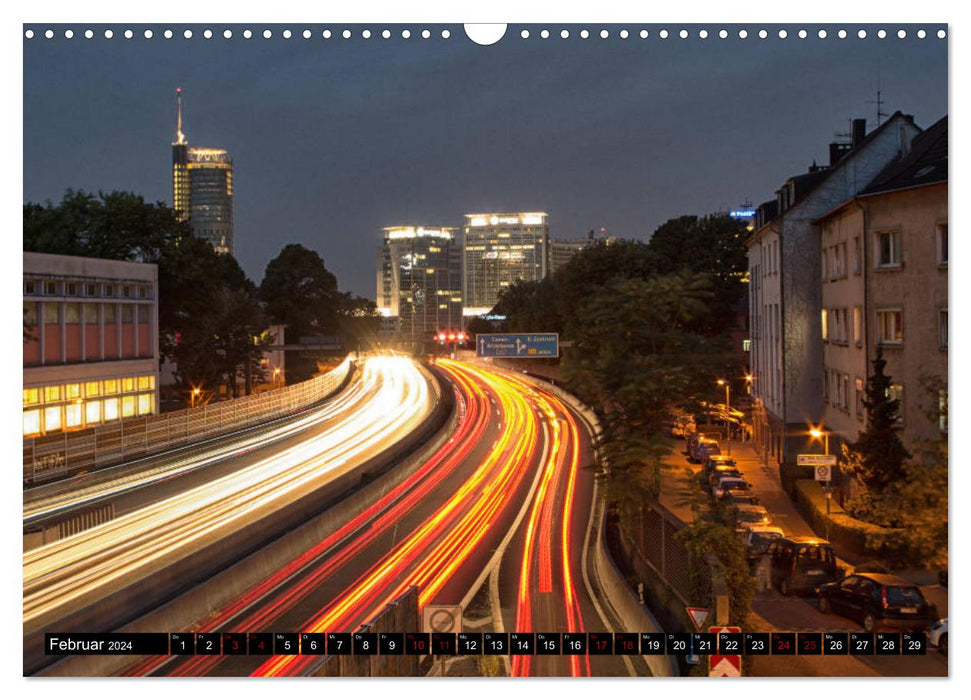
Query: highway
pixel 120 484
pixel 66 576
pixel 505 495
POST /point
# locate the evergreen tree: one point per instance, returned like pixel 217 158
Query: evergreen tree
pixel 879 451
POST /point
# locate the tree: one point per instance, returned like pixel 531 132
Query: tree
pixel 878 454
pixel 300 292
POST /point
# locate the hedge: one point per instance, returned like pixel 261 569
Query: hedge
pixel 844 530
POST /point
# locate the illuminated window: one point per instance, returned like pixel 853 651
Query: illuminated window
pixel 92 389
pixel 824 318
pixel 32 422
pixel 890 327
pixel 92 412
pixel 145 382
pixel 145 404
pixel 52 393
pixel 72 391
pixel 896 393
pixel 127 406
pixel 111 386
pixel 31 397
pixel 127 384
pixel 111 409
pixel 72 414
pixel 52 418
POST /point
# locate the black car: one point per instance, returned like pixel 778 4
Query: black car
pixel 877 601
pixel 801 564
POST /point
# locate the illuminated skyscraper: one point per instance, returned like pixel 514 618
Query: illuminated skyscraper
pixel 418 283
pixel 202 188
pixel 498 250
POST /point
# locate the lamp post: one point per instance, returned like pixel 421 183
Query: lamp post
pixel 816 434
pixel 728 413
pixel 276 376
pixel 194 397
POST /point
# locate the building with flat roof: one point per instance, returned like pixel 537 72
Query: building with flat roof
pixel 419 289
pixel 499 250
pixel 202 188
pixel 90 338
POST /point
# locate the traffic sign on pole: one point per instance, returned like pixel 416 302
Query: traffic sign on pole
pixel 724 665
pixel 698 616
pixel 824 472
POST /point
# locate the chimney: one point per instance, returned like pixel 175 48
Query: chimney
pixel 859 131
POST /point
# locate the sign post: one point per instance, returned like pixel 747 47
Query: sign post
pixel 724 665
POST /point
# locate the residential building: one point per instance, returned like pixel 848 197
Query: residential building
pixel 884 286
pixel 90 342
pixel 785 256
pixel 499 250
pixel 202 188
pixel 419 286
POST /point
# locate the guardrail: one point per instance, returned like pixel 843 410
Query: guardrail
pixel 54 456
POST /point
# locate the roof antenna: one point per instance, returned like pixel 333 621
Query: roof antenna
pixel 180 137
pixel 879 101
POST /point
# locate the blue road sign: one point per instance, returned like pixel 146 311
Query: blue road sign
pixel 518 345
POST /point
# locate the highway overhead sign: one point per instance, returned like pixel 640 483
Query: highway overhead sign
pixel 816 460
pixel 698 616
pixel 518 345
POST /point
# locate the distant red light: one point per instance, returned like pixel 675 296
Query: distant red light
pixel 441 336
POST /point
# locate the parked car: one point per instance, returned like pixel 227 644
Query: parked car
pixel 703 449
pixel 730 483
pixel 877 601
pixel 757 538
pixel 801 564
pixel 937 636
pixel 715 461
pixel 721 472
pixel 748 516
pixel 741 498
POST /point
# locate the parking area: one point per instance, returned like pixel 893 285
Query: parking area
pixel 771 611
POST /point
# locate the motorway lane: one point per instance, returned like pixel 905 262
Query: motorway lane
pixel 346 578
pixel 137 484
pixel 67 575
pixel 541 581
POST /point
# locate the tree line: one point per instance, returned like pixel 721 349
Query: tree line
pixel 213 320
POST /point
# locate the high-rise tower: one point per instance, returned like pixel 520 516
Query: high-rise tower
pixel 202 188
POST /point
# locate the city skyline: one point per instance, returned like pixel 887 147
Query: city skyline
pixel 331 145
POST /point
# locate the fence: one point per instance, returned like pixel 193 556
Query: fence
pixel 54 456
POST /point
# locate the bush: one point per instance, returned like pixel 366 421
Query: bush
pixel 844 530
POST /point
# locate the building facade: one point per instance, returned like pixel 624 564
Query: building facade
pixel 419 290
pixel 202 189
pixel 787 253
pixel 884 287
pixel 562 250
pixel 90 342
pixel 499 250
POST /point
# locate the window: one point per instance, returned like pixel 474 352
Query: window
pixel 842 389
pixel 50 288
pixel 825 265
pixel 92 412
pixel 72 313
pixel 92 389
pixel 127 406
pixel 142 292
pixel 31 397
pixel 72 289
pixel 127 313
pixel 145 404
pixel 111 386
pixel 52 418
pixel 942 244
pixel 52 393
pixel 32 422
pixel 826 373
pixel 144 382
pixel 896 393
pixel 72 391
pixel 858 325
pixel 824 319
pixel 888 249
pixel 859 397
pixel 72 415
pixel 91 290
pixel 52 312
pixel 942 327
pixel 942 409
pixel 109 290
pixel 111 409
pixel 30 313
pixel 126 291
pixel 890 327
pixel 29 287
pixel 143 313
pixel 91 314
pixel 128 384
pixel 857 256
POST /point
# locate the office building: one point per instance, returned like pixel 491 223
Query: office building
pixel 499 250
pixel 419 290
pixel 562 250
pixel 90 337
pixel 202 188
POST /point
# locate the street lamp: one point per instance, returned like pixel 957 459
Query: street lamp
pixel 276 375
pixel 728 413
pixel 194 397
pixel 816 433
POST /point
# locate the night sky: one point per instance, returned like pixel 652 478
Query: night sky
pixel 332 140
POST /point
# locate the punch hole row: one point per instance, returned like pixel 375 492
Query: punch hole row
pixel 524 34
